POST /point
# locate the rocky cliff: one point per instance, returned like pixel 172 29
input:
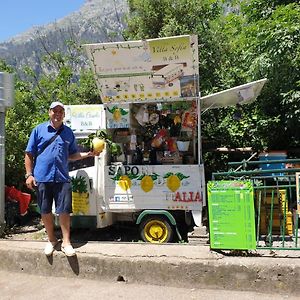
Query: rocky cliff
pixel 96 21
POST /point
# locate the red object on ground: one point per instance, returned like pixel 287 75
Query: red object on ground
pixel 13 194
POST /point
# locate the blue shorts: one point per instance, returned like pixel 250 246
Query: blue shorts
pixel 60 192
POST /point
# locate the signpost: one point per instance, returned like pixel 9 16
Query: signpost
pixel 231 215
pixel 6 100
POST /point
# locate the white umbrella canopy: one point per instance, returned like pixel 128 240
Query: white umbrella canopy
pixel 241 94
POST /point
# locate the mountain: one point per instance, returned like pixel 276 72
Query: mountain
pixel 95 21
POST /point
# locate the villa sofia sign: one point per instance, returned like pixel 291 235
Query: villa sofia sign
pixel 147 70
pixel 85 117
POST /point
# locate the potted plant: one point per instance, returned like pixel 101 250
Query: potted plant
pixel 183 141
pixel 99 140
pixel 80 196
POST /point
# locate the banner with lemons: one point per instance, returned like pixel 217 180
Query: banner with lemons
pixel 154 187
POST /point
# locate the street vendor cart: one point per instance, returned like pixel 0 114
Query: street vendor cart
pixel 151 110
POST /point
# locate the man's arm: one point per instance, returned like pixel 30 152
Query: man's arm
pixel 30 181
pixel 28 163
pixel 81 155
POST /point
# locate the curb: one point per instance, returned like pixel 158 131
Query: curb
pixel 151 264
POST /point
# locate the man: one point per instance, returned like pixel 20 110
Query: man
pixel 50 146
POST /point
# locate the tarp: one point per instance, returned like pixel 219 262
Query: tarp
pixel 241 94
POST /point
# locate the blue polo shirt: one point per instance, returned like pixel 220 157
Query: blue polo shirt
pixel 52 164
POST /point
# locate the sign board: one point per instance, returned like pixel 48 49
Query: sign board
pixel 231 215
pixel 171 187
pixel 85 117
pixel 117 116
pixel 154 69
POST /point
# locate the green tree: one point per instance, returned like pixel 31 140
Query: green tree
pixel 162 18
pixel 239 41
pixel 33 96
pixel 268 45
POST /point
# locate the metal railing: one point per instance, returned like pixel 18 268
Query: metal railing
pixel 275 202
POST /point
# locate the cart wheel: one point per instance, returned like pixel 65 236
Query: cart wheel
pixel 156 229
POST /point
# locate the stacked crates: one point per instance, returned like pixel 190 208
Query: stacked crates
pixel 275 216
pixel 269 156
pixel 286 215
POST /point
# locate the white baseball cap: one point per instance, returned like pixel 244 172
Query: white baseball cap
pixel 56 103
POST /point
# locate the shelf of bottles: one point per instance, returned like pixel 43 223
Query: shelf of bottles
pixel 156 133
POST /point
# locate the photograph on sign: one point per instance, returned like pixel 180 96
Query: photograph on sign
pixel 84 117
pixel 137 71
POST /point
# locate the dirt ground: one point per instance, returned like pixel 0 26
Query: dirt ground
pixel 31 228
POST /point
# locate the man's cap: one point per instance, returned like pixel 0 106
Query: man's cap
pixel 56 103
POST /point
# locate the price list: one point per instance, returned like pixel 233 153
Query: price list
pixel 231 215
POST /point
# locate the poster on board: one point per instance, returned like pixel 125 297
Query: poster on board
pixel 85 117
pixel 117 116
pixel 154 69
pixel 231 215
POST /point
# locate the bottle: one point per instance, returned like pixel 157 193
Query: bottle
pixel 152 157
pixel 128 155
pixel 145 153
pixel 138 156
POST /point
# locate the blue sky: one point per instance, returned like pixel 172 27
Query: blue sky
pixel 17 16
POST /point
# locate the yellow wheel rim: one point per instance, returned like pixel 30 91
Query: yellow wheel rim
pixel 156 231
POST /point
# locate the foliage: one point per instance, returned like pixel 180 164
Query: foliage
pixel 162 18
pixel 4 67
pixel 115 149
pixel 32 100
pixel 253 39
pixel 267 45
pixel 239 41
pixel 79 185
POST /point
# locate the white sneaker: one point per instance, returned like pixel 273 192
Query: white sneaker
pixel 68 250
pixel 49 248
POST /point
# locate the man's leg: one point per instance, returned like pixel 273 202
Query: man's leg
pixel 64 220
pixel 49 226
pixel 63 208
pixel 66 246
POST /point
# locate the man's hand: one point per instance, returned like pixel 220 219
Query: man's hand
pixel 30 182
pixel 81 155
pixel 96 153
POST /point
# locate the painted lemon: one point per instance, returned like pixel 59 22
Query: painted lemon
pixel 173 183
pixel 147 183
pixel 124 182
pixel 117 115
pixel 98 145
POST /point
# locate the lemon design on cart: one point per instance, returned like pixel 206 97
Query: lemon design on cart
pixel 142 186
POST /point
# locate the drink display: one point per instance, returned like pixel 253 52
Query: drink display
pixel 156 133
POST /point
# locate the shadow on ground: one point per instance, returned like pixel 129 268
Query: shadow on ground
pixel 31 228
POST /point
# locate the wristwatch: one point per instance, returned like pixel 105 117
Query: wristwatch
pixel 28 175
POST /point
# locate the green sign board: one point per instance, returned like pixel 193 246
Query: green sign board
pixel 231 215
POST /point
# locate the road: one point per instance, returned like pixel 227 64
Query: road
pixel 19 286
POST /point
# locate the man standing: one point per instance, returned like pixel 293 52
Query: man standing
pixel 50 146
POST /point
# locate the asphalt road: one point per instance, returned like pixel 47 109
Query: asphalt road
pixel 19 286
